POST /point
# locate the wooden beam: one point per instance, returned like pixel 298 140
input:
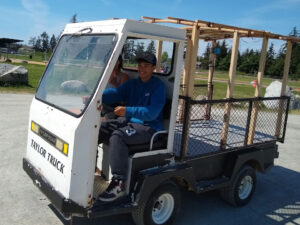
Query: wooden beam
pixel 190 62
pixel 260 74
pixel 191 54
pixel 261 68
pixel 193 60
pixel 186 71
pixel 283 87
pixel 217 27
pixel 158 55
pixel 230 85
pixel 211 70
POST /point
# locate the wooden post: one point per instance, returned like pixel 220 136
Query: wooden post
pixel 283 87
pixel 211 70
pixel 230 86
pixel 193 60
pixel 158 55
pixel 260 74
pixel 189 77
pixel 187 64
pixel 188 52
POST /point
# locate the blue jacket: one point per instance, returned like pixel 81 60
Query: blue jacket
pixel 144 101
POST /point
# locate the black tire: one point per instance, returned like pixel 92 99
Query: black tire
pixel 160 208
pixel 242 188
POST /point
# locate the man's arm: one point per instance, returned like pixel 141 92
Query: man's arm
pixel 113 95
pixel 152 111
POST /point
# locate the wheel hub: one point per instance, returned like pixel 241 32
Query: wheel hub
pixel 163 208
pixel 245 187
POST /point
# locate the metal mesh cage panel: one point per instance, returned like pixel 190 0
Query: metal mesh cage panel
pixel 206 131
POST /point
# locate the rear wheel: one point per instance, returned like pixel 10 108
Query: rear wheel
pixel 242 188
pixel 161 208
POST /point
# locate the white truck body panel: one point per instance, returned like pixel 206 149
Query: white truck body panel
pixel 75 182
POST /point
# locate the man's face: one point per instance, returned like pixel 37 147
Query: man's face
pixel 145 70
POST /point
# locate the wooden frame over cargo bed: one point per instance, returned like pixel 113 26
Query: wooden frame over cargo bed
pixel 209 31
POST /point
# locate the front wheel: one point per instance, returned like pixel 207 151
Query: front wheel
pixel 242 188
pixel 161 208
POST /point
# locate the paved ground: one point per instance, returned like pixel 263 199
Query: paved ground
pixel 276 200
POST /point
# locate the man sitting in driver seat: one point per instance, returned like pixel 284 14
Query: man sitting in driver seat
pixel 137 121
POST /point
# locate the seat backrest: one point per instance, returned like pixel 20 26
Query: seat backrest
pixel 166 114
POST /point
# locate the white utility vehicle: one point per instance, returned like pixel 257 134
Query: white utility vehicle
pixel 207 144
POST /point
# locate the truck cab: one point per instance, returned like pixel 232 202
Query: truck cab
pixel 65 113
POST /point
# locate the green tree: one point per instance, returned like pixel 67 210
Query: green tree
pixel 164 57
pixel 223 57
pixel 45 41
pixel 38 44
pixel 32 41
pixel 224 63
pixel 129 51
pixel 52 42
pixel 249 61
pixel 295 57
pixel 74 18
pixel 139 48
pixel 223 49
pixel 270 59
pixel 205 59
pixel 151 47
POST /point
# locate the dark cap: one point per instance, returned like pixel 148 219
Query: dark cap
pixel 147 57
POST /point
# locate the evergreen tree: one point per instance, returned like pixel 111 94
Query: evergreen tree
pixel 223 49
pixel 295 57
pixel 164 57
pixel 52 42
pixel 223 59
pixel 129 51
pixel 38 44
pixel 270 59
pixel 32 41
pixel 249 61
pixel 45 42
pixel 74 18
pixel 139 48
pixel 205 59
pixel 151 47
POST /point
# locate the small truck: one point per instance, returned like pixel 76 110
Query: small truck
pixel 207 143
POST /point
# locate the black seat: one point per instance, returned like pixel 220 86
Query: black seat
pixel 159 139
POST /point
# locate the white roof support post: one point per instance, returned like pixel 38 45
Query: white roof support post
pixel 189 77
pixel 260 74
pixel 283 87
pixel 211 70
pixel 158 55
pixel 230 85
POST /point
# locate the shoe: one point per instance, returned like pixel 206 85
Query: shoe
pixel 115 189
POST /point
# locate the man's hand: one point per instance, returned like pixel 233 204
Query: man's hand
pixel 120 111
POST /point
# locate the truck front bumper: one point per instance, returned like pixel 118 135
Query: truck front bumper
pixel 63 205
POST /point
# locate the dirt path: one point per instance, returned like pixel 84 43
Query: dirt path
pixel 225 81
pixel 22 61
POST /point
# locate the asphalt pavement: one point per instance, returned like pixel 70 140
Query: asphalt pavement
pixel 276 199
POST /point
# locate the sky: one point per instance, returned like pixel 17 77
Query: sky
pixel 22 19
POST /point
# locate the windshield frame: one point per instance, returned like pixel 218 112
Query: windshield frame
pixel 98 81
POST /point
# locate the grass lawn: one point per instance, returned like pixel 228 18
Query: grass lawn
pixel 240 90
pixel 37 56
pixel 34 74
pixel 242 77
